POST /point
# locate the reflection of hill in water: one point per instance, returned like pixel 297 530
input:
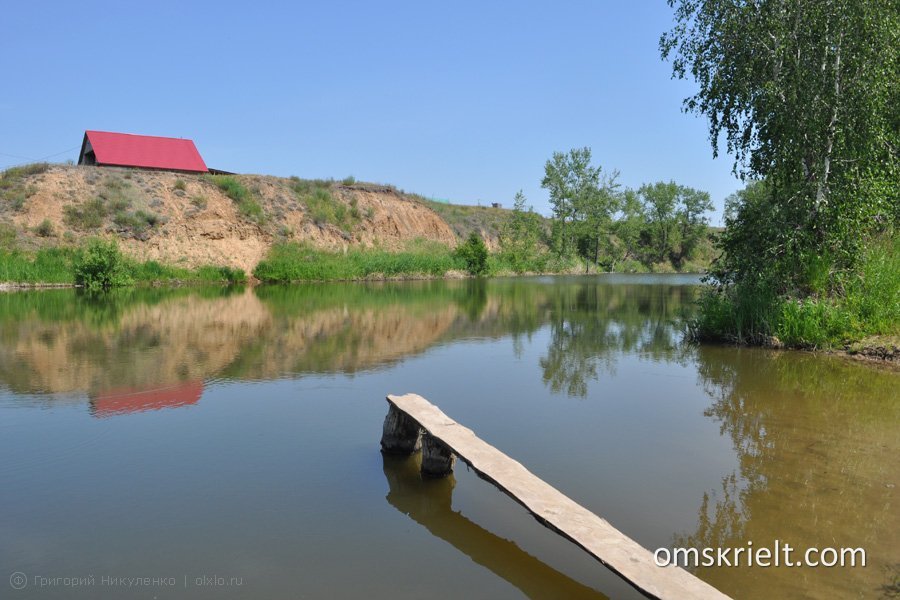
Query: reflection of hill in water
pixel 61 341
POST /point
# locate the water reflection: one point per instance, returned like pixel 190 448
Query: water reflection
pixel 63 342
pixel 817 443
pixel 813 440
pixel 129 400
pixel 428 503
pixel 592 325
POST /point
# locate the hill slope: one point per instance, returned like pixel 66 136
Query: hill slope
pixel 192 220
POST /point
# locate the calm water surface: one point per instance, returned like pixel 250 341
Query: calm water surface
pixel 226 442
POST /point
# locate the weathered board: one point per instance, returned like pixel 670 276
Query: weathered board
pixel 553 509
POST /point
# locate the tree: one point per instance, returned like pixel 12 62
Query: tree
pixel 583 200
pixel 694 205
pixel 520 237
pixel 630 225
pixel 676 220
pixel 659 200
pixel 474 254
pixel 805 94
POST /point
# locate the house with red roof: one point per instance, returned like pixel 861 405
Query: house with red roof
pixel 104 148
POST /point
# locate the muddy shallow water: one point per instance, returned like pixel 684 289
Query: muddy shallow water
pixel 224 444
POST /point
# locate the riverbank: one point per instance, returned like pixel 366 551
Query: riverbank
pixel 856 311
pixel 61 267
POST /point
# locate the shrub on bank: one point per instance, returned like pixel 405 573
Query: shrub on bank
pixel 868 304
pixel 100 265
pixel 474 255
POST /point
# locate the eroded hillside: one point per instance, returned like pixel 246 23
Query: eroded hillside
pixel 193 220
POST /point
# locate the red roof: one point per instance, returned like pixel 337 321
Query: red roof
pixel 128 400
pixel 127 150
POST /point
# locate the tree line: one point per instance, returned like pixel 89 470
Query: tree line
pixel 806 95
pixel 597 222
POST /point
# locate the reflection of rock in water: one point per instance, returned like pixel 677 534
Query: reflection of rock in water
pixel 428 502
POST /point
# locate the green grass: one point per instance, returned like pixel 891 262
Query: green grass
pixel 292 262
pixel 867 303
pixel 321 205
pixel 247 204
pixel 58 265
pixel 464 220
pixel 49 265
pixel 13 191
pixel 86 216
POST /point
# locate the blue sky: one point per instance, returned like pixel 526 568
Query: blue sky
pixel 462 100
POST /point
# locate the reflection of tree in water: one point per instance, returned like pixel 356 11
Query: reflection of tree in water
pixel 592 324
pixel 816 439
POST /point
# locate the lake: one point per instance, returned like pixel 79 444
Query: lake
pixel 224 443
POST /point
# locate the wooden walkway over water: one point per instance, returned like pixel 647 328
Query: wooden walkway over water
pixel 413 423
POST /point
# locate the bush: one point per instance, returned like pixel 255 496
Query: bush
pixel 227 275
pixel 246 203
pixel 180 185
pixel 100 265
pixel 87 216
pixel 866 305
pixel 474 254
pixel 12 187
pixel 44 229
pixel 349 180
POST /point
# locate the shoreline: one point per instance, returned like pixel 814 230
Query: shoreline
pixel 11 286
pixel 880 351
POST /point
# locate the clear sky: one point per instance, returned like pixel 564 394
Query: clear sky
pixel 459 100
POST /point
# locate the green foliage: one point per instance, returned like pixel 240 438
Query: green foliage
pixel 463 220
pixel 867 304
pixel 179 185
pixel 806 97
pixel 583 200
pixel 136 223
pixel 154 272
pixel 675 220
pixel 288 262
pixel 321 205
pixel 214 274
pixel 14 173
pixel 247 204
pixel 520 239
pixel 349 180
pixel 8 236
pixel 87 216
pixel 100 265
pixel 44 228
pixel 13 189
pixel 474 255
pixel 47 265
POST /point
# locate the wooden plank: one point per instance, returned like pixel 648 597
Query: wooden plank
pixel 554 510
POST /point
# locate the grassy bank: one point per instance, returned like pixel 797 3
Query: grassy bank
pixel 289 262
pixel 860 305
pixel 60 266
